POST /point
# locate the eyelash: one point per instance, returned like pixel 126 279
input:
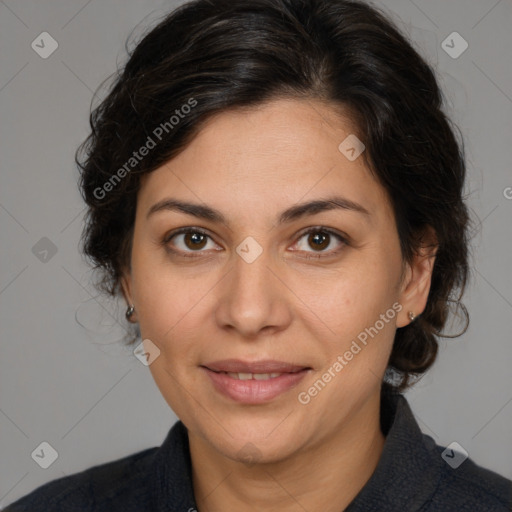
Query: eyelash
pixel 196 254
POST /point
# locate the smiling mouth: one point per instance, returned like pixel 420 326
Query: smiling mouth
pixel 262 367
pixel 254 376
pixel 254 383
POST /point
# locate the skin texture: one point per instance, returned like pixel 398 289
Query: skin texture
pixel 251 165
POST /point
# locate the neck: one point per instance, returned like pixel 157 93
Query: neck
pixel 326 476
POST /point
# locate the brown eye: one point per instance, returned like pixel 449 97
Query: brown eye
pixel 194 240
pixel 319 240
pixel 187 241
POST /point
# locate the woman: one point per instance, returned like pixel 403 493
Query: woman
pixel 275 191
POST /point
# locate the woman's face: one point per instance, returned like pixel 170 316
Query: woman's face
pixel 303 288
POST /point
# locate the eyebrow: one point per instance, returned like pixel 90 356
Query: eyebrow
pixel 289 215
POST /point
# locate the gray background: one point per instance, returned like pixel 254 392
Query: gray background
pixel 76 386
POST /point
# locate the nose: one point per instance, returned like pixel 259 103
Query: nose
pixel 253 298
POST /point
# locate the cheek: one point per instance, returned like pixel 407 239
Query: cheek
pixel 172 311
pixel 161 297
pixel 164 312
pixel 357 306
pixel 353 298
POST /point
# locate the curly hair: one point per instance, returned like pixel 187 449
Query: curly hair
pixel 209 56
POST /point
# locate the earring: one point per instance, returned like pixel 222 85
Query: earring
pixel 412 316
pixel 129 311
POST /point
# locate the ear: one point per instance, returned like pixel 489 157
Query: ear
pixel 415 285
pixel 126 287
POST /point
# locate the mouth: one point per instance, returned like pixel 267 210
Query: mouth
pixel 262 367
pixel 254 376
pixel 254 382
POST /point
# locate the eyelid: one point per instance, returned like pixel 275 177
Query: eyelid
pixel 343 238
pixel 180 231
pixel 183 230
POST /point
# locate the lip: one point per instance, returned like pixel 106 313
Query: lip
pixel 263 366
pixel 254 391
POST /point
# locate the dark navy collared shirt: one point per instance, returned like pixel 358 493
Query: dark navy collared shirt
pixel 412 475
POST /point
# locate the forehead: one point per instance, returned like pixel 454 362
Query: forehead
pixel 281 129
pixel 275 153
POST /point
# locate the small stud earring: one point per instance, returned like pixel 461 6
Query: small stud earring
pixel 129 311
pixel 412 316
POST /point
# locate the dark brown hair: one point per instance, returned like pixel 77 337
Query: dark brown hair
pixel 209 56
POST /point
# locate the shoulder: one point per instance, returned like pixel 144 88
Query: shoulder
pixel 415 473
pixel 470 487
pixel 121 484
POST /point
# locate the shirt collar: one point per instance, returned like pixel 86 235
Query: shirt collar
pixel 405 477
pixel 409 468
pixel 171 485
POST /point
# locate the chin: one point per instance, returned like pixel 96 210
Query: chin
pixel 265 441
